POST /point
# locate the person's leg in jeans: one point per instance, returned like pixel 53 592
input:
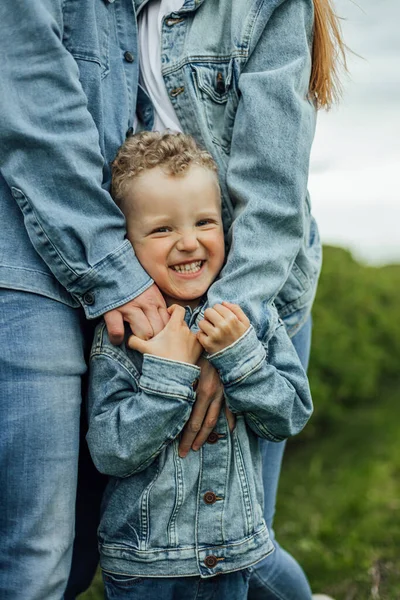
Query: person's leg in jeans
pixel 232 586
pixel 279 576
pixel 42 364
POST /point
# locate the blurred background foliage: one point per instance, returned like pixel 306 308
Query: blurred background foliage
pixel 339 500
pixel 356 336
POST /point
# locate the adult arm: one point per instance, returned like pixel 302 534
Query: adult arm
pixel 269 160
pixel 50 157
pixel 131 417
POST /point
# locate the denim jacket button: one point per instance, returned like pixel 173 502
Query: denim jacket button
pixel 176 91
pixel 195 384
pixel 88 298
pixel 128 56
pixel 213 438
pixel 209 498
pixel 210 561
pixel 173 21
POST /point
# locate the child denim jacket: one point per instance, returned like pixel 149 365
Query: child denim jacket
pixel 237 74
pixel 201 515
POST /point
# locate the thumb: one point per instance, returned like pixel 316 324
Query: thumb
pixel 177 314
pixel 136 343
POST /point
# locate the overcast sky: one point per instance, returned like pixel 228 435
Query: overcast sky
pixel 355 165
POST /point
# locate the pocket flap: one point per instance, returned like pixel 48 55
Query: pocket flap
pixel 214 80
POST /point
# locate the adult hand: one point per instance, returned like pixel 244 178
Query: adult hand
pixel 146 314
pixel 206 409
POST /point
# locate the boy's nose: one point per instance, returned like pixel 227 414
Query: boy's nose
pixel 188 242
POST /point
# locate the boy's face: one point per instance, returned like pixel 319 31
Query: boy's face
pixel 174 224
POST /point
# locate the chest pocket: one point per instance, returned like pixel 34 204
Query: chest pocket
pixel 87 31
pixel 216 91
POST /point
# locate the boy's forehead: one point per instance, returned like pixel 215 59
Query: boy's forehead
pixel 156 192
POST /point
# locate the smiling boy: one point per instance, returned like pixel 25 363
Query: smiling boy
pixel 170 524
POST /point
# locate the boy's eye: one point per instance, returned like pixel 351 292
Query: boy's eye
pixel 203 222
pixel 161 230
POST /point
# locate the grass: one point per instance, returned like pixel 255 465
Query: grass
pixel 339 505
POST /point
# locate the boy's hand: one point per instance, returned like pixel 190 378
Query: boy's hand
pixel 175 341
pixel 222 325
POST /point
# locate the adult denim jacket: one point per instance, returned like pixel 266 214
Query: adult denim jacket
pixel 202 515
pixel 237 74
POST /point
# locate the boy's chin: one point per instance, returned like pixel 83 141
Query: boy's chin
pixel 193 300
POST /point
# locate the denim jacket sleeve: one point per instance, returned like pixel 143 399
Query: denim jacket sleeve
pixel 266 382
pixel 131 417
pixel 50 158
pixel 268 166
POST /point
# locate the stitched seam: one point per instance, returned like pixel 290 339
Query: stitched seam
pixel 201 58
pixel 245 375
pixel 221 352
pixel 127 367
pixel 186 397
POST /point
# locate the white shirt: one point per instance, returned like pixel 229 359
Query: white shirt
pixel 149 25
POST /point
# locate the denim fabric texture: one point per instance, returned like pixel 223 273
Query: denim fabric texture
pixel 232 586
pixel 201 515
pixel 40 401
pixel 64 239
pixel 242 92
pixel 279 576
pixel 69 100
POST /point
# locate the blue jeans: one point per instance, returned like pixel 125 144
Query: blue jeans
pixel 42 364
pixel 279 576
pixel 232 586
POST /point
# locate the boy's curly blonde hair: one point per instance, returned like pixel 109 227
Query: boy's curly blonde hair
pixel 173 152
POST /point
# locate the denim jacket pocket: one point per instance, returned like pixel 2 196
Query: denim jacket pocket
pixel 90 44
pixel 120 581
pixel 215 88
pixel 295 299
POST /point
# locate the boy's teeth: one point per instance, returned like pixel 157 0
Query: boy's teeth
pixel 189 267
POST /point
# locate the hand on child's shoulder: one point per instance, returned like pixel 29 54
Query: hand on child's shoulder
pixel 222 325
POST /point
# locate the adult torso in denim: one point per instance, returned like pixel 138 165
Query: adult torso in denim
pixel 237 74
pixel 69 83
pixel 201 515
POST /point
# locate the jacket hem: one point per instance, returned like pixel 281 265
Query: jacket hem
pixel 186 561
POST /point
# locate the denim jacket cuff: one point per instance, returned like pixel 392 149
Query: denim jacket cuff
pixel 111 283
pixel 172 378
pixel 240 359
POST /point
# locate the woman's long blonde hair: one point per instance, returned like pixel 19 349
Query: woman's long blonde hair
pixel 328 55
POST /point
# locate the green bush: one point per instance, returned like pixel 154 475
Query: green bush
pixel 356 335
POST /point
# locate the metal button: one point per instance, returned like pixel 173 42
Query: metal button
pixel 171 21
pixel 210 561
pixel 129 132
pixel 128 56
pixel 88 298
pixel 220 84
pixel 209 498
pixel 213 438
pixel 176 91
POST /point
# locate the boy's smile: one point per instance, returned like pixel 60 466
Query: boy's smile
pixel 175 226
